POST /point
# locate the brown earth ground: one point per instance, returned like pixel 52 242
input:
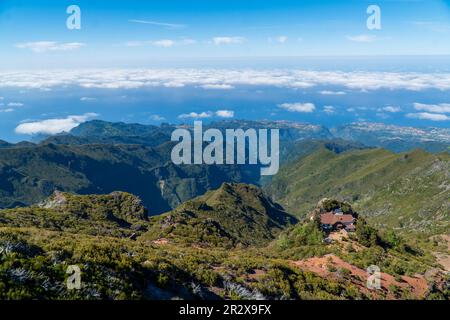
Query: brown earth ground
pixel 417 285
pixel 444 258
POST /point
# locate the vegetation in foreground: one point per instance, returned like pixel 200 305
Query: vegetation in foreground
pixel 248 248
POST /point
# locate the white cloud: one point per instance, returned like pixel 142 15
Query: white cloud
pixel 7 110
pixel 53 126
pixel 391 109
pixel 165 43
pixel 156 117
pixel 298 107
pixel 15 104
pixel 436 108
pixel 87 99
pixel 138 43
pixel 330 93
pixel 217 86
pixel 228 40
pixel 45 46
pixel 429 116
pixel 362 38
pixel 160 24
pixel 328 109
pixel 162 43
pixel 174 84
pixel 207 114
pixel 282 39
pixel 225 113
pixel 140 78
pixel 279 39
pixel 195 115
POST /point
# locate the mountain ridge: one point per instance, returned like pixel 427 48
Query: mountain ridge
pixel 259 259
pixel 233 214
pixel 392 137
pixel 407 191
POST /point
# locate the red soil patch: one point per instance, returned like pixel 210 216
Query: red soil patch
pixel 443 258
pixel 161 241
pixel 416 285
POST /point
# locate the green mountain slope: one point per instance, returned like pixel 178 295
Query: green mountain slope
pixel 101 157
pixel 391 137
pixel 215 248
pixel 233 214
pixel 28 175
pixel 408 190
pixel 4 144
pixel 117 214
pixel 97 131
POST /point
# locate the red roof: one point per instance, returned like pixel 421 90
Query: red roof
pixel 331 218
pixel 351 227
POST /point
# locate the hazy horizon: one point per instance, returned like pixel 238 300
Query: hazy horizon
pixel 149 62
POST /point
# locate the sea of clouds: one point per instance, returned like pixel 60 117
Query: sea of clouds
pixel 222 79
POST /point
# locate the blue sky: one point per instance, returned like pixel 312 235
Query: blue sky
pixel 176 61
pixel 136 32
